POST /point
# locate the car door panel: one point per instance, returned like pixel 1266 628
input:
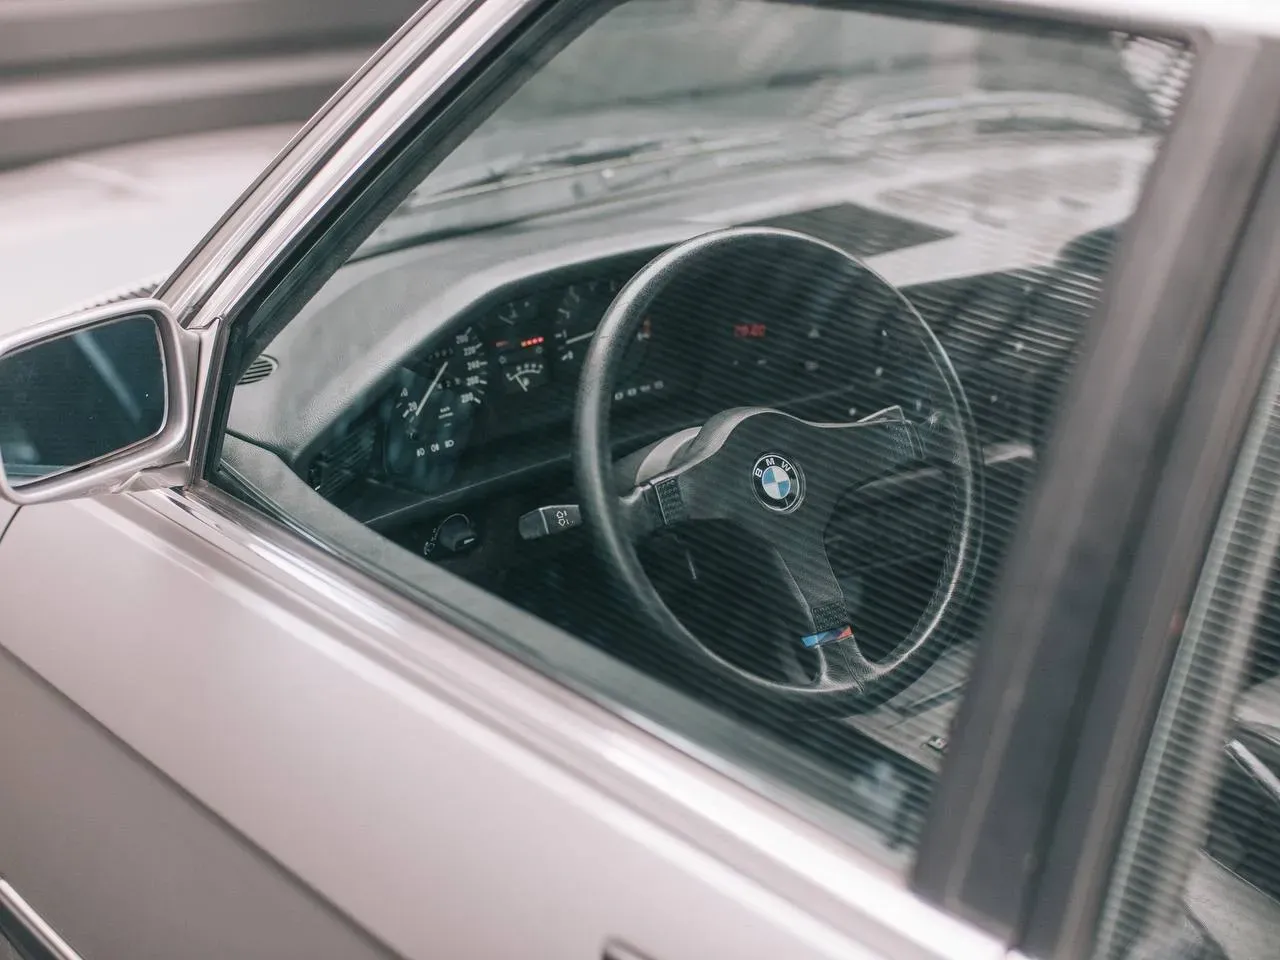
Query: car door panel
pixel 312 736
pixel 121 862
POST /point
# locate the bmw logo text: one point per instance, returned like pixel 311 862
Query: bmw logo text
pixel 777 482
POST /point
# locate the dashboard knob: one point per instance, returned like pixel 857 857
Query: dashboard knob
pixel 456 534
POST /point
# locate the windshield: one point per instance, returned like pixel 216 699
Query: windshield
pixel 677 80
pixel 701 56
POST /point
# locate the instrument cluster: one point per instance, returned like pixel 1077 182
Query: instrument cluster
pixel 513 369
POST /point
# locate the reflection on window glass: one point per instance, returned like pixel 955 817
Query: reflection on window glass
pixel 9 951
pixel 1200 867
pixel 939 205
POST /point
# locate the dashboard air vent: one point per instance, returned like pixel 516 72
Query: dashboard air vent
pixel 259 369
pixel 342 462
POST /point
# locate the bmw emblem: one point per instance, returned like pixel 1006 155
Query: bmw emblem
pixel 777 482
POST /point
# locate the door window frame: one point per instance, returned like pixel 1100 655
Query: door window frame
pixel 1072 562
pixel 336 169
pixel 1137 638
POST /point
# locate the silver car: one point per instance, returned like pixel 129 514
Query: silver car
pixel 660 480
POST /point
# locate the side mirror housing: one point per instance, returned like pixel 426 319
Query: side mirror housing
pixel 95 402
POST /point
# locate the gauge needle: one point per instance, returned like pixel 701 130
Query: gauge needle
pixel 523 386
pixel 430 387
pixel 582 336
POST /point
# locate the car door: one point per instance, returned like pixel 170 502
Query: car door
pixel 248 720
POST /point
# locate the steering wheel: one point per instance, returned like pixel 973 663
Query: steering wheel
pixel 778 478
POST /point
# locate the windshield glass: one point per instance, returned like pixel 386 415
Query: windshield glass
pixel 674 81
pixel 702 56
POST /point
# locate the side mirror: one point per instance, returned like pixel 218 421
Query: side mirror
pixel 92 402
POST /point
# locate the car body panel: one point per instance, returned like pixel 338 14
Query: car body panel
pixel 110 868
pixel 230 691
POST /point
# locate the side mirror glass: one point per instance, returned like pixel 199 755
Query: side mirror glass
pixel 88 402
pixel 72 400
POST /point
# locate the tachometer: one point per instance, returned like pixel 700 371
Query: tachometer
pixel 577 316
pixel 580 311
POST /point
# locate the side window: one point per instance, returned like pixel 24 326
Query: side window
pixel 1199 872
pixel 8 951
pixel 24 935
pixel 13 950
pixel 727 345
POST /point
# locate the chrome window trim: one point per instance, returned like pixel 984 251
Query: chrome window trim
pixel 14 905
pixel 287 176
pixel 320 126
pixel 786 850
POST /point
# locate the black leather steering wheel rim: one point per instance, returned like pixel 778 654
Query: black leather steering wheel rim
pixel 848 683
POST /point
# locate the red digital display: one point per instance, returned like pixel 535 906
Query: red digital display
pixel 524 344
pixel 749 331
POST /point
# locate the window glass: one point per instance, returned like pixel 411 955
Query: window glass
pixel 14 948
pixel 774 470
pixel 1199 871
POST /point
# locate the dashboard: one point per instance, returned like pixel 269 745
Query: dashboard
pixel 498 385
pixel 441 380
pixel 511 368
pixel 493 393
pixel 500 380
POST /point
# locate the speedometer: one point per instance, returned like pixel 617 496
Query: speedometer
pixel 462 366
pixel 428 416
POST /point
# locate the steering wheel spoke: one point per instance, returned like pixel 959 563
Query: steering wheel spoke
pixel 856 453
pixel 813 586
pixel 842 665
pixel 675 496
